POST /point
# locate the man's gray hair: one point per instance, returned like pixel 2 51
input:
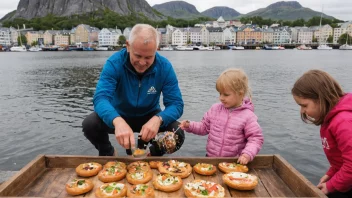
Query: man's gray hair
pixel 146 32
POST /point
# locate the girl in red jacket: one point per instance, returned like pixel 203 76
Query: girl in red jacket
pixel 324 103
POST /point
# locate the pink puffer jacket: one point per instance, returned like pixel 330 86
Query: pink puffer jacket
pixel 231 132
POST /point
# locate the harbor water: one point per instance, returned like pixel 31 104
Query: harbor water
pixel 46 95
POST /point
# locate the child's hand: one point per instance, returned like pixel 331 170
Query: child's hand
pixel 184 124
pixel 324 179
pixel 243 159
pixel 323 188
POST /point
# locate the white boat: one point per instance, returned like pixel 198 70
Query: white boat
pixel 281 48
pixel 184 48
pixel 35 49
pixel 169 48
pixel 346 46
pixel 237 48
pixel 303 47
pixel 102 49
pixel 324 47
pixel 61 48
pixel 18 49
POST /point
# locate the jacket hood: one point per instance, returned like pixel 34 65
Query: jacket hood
pixel 345 104
pixel 247 104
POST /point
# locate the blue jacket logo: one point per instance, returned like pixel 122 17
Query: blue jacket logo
pixel 151 90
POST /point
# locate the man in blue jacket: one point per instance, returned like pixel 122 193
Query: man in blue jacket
pixel 127 97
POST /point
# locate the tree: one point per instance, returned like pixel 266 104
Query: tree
pixel 343 38
pixel 330 39
pixel 315 40
pixel 23 39
pixel 122 40
pixel 34 43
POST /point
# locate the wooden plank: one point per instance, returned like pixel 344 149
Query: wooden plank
pixel 50 184
pixel 301 186
pixel 273 183
pixel 24 177
pixel 64 161
pixel 259 191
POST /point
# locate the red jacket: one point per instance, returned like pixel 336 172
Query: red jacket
pixel 336 136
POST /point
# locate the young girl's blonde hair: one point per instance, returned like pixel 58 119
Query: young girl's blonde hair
pixel 320 87
pixel 235 80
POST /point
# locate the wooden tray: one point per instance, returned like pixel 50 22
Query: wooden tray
pixel 47 175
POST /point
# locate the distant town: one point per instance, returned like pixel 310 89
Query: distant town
pixel 211 33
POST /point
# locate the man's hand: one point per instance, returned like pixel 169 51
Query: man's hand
pixel 150 129
pixel 243 159
pixel 323 188
pixel 123 133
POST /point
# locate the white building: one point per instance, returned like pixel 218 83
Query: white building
pixel 344 28
pixel 219 23
pixel 303 35
pixel 204 36
pixel 216 35
pixel 281 35
pixel 5 37
pixel 126 32
pixel 109 37
pixel 323 33
pixel 267 35
pixel 229 36
pixel 195 35
pixel 180 37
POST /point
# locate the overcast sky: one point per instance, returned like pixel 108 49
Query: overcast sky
pixel 341 9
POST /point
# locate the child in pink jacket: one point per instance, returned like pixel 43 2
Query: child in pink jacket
pixel 231 126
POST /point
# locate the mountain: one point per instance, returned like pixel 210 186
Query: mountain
pixel 178 9
pixel 226 12
pixel 286 10
pixel 8 16
pixel 29 9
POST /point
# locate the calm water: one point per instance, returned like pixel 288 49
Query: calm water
pixel 45 96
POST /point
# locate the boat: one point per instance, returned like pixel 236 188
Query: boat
pixel 101 48
pixel 237 48
pixel 75 48
pixel 46 176
pixel 88 49
pixel 18 49
pixel 169 48
pixel 322 46
pixel 346 46
pixel 184 48
pixel 34 49
pixel 304 47
pixel 61 48
pixel 281 47
pixel 50 48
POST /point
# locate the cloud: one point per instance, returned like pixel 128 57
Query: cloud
pixel 7 6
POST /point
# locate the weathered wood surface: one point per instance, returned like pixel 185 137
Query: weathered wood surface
pixel 47 175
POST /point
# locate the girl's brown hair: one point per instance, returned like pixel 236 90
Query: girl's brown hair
pixel 321 88
pixel 234 79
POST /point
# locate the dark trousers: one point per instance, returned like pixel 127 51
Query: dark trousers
pixel 97 132
pixel 341 194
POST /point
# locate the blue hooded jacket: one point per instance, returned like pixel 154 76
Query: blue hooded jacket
pixel 120 92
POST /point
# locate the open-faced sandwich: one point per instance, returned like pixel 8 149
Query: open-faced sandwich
pixel 111 190
pixel 204 169
pixel 228 167
pixel 202 188
pixel 167 183
pixel 88 169
pixel 240 181
pixel 175 168
pixel 79 186
pixel 141 191
pixel 112 174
